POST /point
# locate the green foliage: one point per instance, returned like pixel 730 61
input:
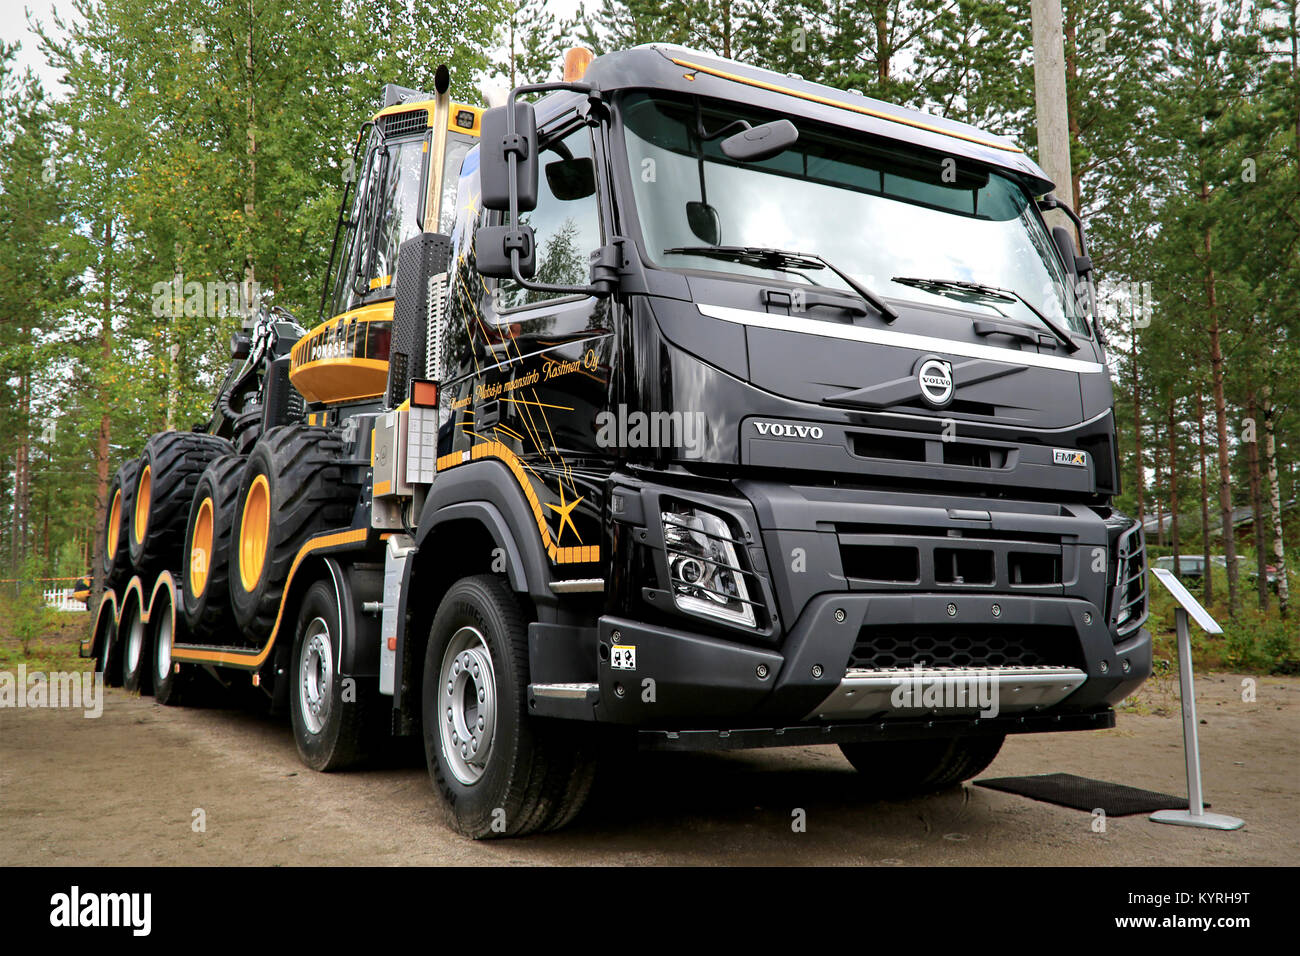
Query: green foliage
pixel 208 141
pixel 24 613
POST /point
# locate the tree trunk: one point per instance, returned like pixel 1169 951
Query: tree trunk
pixel 1256 499
pixel 1208 580
pixel 1156 467
pixel 1220 419
pixel 1139 476
pixel 883 53
pixel 250 276
pixel 102 444
pixel 22 469
pixel 1275 503
pixel 1173 484
pixel 1071 88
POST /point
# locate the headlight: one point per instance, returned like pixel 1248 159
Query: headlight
pixel 706 577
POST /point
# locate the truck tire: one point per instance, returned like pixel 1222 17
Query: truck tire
pixel 135 653
pixel 116 560
pixel 903 767
pixel 332 732
pixel 499 771
pixel 291 489
pixel 205 590
pixel 170 680
pixel 102 638
pixel 169 469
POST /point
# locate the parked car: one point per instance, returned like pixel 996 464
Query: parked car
pixel 1192 566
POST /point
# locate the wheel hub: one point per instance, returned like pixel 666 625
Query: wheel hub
pixel 134 642
pixel 468 705
pixel 316 676
pixel 163 647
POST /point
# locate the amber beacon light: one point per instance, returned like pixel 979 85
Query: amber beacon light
pixel 576 61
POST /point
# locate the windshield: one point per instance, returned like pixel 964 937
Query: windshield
pixel 876 212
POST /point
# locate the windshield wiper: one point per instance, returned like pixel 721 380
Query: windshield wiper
pixel 940 286
pixel 783 260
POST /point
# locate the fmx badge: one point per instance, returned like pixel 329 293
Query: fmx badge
pixel 1068 456
pixel 622 657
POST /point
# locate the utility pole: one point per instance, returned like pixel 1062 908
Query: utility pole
pixel 1050 98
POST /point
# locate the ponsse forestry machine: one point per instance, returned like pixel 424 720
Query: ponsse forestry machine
pixel 765 403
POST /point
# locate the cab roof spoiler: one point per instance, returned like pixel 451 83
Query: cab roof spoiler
pixel 678 69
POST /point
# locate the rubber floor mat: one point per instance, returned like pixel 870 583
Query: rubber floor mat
pixel 1081 793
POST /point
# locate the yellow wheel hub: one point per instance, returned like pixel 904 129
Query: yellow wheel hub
pixel 142 495
pixel 114 523
pixel 201 548
pixel 254 532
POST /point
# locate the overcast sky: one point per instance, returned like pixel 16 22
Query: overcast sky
pixel 13 28
pixel 14 16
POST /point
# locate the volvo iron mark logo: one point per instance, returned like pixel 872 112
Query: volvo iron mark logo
pixel 935 378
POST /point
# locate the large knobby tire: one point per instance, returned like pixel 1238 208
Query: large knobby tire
pixel 169 469
pixel 904 767
pixel 500 771
pixel 336 720
pixel 116 558
pixel 291 490
pixel 205 590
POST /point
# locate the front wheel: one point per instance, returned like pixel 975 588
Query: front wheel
pixel 904 767
pixel 501 772
pixel 331 714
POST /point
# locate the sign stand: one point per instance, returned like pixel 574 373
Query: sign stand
pixel 1194 815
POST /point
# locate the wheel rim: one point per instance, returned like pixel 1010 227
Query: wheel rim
pixel 142 495
pixel 253 531
pixel 114 524
pixel 163 646
pixel 467 705
pixel 106 643
pixel 134 643
pixel 316 676
pixel 201 548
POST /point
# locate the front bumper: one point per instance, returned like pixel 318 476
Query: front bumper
pixel 837 645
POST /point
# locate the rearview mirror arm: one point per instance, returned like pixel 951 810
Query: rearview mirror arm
pixel 514 148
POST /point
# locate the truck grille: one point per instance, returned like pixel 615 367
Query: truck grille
pixel 399 124
pixel 982 558
pixel 905 645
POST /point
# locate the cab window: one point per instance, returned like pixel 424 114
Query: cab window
pixel 384 214
pixel 566 222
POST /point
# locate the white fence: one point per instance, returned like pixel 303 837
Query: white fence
pixel 61 599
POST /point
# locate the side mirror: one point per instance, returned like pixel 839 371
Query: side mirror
pixel 571 179
pixel 760 142
pixel 492 251
pixel 1065 246
pixel 494 160
pixel 705 223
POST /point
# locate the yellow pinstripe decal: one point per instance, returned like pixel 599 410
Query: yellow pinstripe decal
pixel 495 449
pixel 253 659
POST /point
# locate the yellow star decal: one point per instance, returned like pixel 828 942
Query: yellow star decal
pixel 565 511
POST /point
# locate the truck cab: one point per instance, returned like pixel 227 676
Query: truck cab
pixel 782 402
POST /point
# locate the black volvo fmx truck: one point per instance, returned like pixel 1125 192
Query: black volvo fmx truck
pixel 699 407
